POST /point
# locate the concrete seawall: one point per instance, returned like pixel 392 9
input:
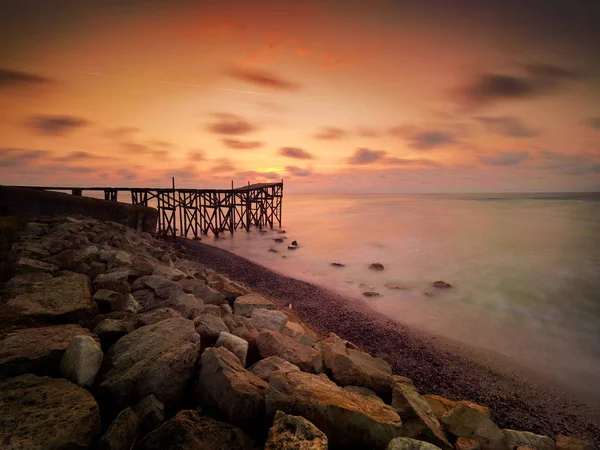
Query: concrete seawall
pixel 19 201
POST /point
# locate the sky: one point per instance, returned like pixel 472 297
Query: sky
pixel 354 96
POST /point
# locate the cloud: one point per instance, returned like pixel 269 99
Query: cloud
pixel 14 157
pixel 121 133
pixel 77 156
pixel 222 165
pixel 242 145
pixel 298 171
pixel 252 175
pixel 160 143
pixel 331 133
pixel 263 79
pixel 392 160
pixel 56 125
pixel 294 152
pixel 143 149
pixel 196 155
pixel 368 132
pixel 536 80
pixel 9 77
pixel 231 124
pixel 593 122
pixel 366 156
pixel 430 139
pixel 568 164
pixel 509 158
pixel 507 126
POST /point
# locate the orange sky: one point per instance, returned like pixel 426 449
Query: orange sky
pixel 331 96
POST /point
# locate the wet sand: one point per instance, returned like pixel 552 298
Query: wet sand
pixel 519 399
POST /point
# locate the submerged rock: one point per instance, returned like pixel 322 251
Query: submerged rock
pixel 294 433
pixel 371 294
pixel 337 264
pixel 397 286
pixel 292 247
pixel 278 240
pixel 441 284
pixel 272 250
pixel 376 266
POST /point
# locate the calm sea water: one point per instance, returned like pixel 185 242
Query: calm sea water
pixel 525 269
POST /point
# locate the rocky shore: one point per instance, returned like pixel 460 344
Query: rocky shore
pixel 113 339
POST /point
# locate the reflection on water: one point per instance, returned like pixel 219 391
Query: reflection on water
pixel 525 269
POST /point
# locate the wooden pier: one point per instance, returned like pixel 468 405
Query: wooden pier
pixel 193 212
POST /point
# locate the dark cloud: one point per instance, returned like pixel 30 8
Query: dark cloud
pixel 295 152
pixel 331 133
pixel 231 124
pixel 593 122
pixel 9 77
pixel 242 145
pixel 510 158
pixel 121 133
pixel 365 156
pixel 507 126
pixel 298 171
pixel 263 79
pixel 77 156
pixel 196 155
pixel 430 139
pixel 536 80
pixel 270 175
pixel 568 164
pixel 56 125
pixel 143 149
pixel 14 157
pixel 392 160
pixel 222 165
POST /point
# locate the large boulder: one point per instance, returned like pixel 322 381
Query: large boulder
pixel 265 367
pixel 349 420
pixel 157 315
pixel 273 343
pixel 28 265
pixel 268 319
pixel 516 439
pixel 185 304
pixel 404 443
pixel 298 332
pixel 121 433
pixel 225 384
pixel 54 300
pixel 150 412
pixel 571 443
pixel 110 331
pixel 294 433
pixel 81 361
pixel 246 304
pixel 209 327
pixel 161 286
pixel 355 368
pixel 189 431
pixel 37 350
pixel 241 327
pixel 113 281
pixel 156 359
pixel 48 413
pixel 234 344
pixel 200 289
pixel 441 405
pixel 465 421
pixel 419 420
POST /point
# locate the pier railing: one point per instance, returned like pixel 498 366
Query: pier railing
pixel 192 212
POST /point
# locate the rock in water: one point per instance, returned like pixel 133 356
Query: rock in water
pixel 226 385
pixel 268 319
pixel 376 266
pixel 371 294
pixel 293 433
pixel 526 439
pixel 189 431
pixel 246 304
pixel 404 443
pixel 349 420
pixel 156 359
pixel 337 264
pixel 265 367
pixel 464 421
pixel 37 350
pixel 48 413
pixel 81 361
pixel 273 343
pixel 398 286
pixel 441 285
pixel 121 433
pixel 234 344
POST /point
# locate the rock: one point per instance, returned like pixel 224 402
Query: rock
pixel 278 240
pixel 114 281
pixel 376 266
pixel 129 319
pixel 35 228
pixel 226 385
pixel 29 250
pixel 292 247
pixel 228 289
pixel 225 310
pixel 189 431
pixel 150 412
pixel 157 315
pixel 297 332
pixel 404 443
pixel 215 310
pixel 272 250
pixel 186 304
pixel 353 367
pixel 81 361
pixel 48 413
pixel 371 294
pixel 361 390
pixel 337 264
pixel 121 433
pixel 132 305
pixel 348 419
pixel 170 273
pixel 571 443
pixel 45 299
pixel 400 379
pixel 156 359
pixel 36 350
pixel 464 421
pixel 441 284
pixel 109 300
pixel 246 304
pixel 117 259
pixel 441 405
pixel 419 420
pixel 398 286
pixel 293 433
pixel 234 344
pixel 199 289
pixel 295 243
pixel 209 327
pixel 28 265
pixel 467 444
pixel 526 439
pixel 161 286
pixel 268 319
pixel 265 367
pixel 273 343
pixel 241 327
pixel 110 331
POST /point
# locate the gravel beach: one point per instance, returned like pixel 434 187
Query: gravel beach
pixel 518 399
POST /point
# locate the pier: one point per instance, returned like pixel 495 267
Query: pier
pixel 193 212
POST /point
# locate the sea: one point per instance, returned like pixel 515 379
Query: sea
pixel 524 269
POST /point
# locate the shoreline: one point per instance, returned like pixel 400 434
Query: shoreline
pixel 518 398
